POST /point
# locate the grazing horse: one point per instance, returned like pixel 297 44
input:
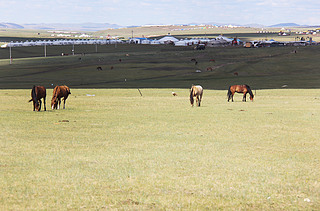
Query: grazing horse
pixel 58 93
pixel 240 89
pixel 209 69
pixel 196 91
pixel 37 93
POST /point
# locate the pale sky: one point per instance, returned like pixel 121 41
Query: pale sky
pixel 141 12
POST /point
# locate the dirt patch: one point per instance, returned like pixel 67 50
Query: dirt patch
pixel 65 120
pixel 130 202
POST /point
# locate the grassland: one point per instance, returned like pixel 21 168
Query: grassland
pixel 113 149
pixel 160 67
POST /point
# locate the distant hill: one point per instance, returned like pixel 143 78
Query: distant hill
pixel 254 25
pixel 285 25
pixel 73 27
pixel 104 26
pixel 59 26
pixel 11 26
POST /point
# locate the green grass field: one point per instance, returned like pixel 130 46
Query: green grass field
pixel 161 67
pixel 113 149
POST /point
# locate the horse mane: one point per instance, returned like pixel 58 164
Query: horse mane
pixel 249 90
pixel 191 95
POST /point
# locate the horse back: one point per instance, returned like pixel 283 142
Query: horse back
pixel 61 91
pixel 40 92
pixel 238 88
pixel 65 91
pixel 198 89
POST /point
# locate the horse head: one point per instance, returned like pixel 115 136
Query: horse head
pixel 250 92
pixel 251 97
pixel 34 98
pixel 37 105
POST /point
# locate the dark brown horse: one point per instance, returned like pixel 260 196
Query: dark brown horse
pixel 58 93
pixel 240 89
pixel 37 93
pixel 196 91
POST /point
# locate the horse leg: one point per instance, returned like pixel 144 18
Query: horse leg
pixel 40 105
pixel 232 97
pixel 64 103
pixel 200 98
pixel 59 102
pixel 197 100
pixel 244 97
pixel 44 103
pixel 34 106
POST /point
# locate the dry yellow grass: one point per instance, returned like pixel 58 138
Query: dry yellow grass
pixel 113 149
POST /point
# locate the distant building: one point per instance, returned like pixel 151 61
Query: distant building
pixel 139 40
pixel 168 40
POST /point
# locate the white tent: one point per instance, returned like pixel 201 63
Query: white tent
pixel 155 42
pixel 224 38
pixel 194 41
pixel 4 45
pixel 182 43
pixel 168 39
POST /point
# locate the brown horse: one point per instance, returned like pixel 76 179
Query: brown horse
pixel 58 93
pixel 37 93
pixel 196 91
pixel 240 89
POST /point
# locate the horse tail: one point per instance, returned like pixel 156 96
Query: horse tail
pixel 191 96
pixel 54 97
pixel 33 94
pixel 55 93
pixel 68 89
pixel 229 91
pixel 249 91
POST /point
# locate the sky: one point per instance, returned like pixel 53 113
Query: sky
pixel 144 12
